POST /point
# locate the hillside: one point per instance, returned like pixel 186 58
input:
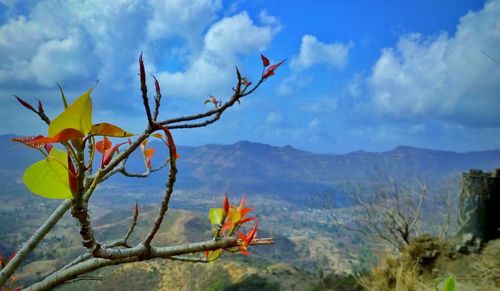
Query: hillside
pixel 246 167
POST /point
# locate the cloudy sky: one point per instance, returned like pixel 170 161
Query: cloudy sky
pixel 358 75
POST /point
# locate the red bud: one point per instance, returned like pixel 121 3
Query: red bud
pixel 265 61
pixel 157 86
pixel 226 204
pixel 25 104
pixel 142 72
pixel 40 106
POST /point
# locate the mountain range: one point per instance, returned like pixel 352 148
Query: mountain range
pixel 246 167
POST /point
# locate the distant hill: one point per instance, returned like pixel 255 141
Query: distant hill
pixel 247 167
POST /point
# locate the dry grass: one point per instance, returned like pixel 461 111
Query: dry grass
pixel 426 261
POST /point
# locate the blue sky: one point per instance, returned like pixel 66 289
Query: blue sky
pixel 360 75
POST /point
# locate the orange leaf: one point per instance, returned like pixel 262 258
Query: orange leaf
pixel 63 136
pixel 148 153
pixel 108 129
pixel 28 141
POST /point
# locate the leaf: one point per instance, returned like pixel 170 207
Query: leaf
pixel 28 141
pixel 63 136
pixel 265 61
pixel 270 71
pixel 216 215
pixel 49 177
pixel 108 129
pixel 108 155
pixel 148 154
pixel 213 255
pixel 234 215
pixel 78 116
pixel 157 135
pixel 103 145
pixel 449 284
pixel 62 96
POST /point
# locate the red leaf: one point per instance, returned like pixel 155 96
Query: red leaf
pixel 265 61
pixel 244 220
pixel 48 148
pixel 242 202
pixel 242 236
pixel 72 176
pixel 103 146
pixel 109 154
pixel 25 104
pixel 63 136
pixel 251 234
pixel 270 71
pixel 28 141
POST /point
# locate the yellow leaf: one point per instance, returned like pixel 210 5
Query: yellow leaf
pixel 107 129
pixel 234 215
pixel 78 116
pixel 157 135
pixel 49 178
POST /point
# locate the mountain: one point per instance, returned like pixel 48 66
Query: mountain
pixel 247 167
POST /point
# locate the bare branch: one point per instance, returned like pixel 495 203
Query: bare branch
pixel 164 205
pixel 73 272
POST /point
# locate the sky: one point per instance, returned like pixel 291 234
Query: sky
pixel 359 75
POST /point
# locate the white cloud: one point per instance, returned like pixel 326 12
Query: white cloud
pixel 313 52
pixel 275 118
pixel 292 84
pixel 448 77
pixel 71 41
pixel 212 70
pixel 185 19
pixel 325 104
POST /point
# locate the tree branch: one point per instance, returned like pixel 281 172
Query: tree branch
pixel 73 272
pixel 33 241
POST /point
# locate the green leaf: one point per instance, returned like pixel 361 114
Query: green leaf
pixel 449 283
pixel 214 255
pixel 78 116
pixel 49 178
pixel 216 215
pixel 62 96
